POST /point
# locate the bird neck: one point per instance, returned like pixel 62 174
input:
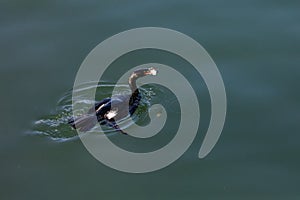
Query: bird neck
pixel 132 83
pixel 135 93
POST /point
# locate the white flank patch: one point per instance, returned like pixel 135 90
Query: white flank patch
pixel 111 114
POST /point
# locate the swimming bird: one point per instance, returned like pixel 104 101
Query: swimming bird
pixel 109 109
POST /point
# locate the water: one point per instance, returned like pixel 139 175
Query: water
pixel 56 125
pixel 255 45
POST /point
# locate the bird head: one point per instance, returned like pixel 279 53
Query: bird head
pixel 151 71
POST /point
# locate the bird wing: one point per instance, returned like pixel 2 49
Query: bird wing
pixel 98 105
pixel 107 107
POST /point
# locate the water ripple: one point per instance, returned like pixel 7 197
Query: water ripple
pixel 56 127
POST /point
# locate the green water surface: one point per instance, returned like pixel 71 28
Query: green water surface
pixel 256 47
